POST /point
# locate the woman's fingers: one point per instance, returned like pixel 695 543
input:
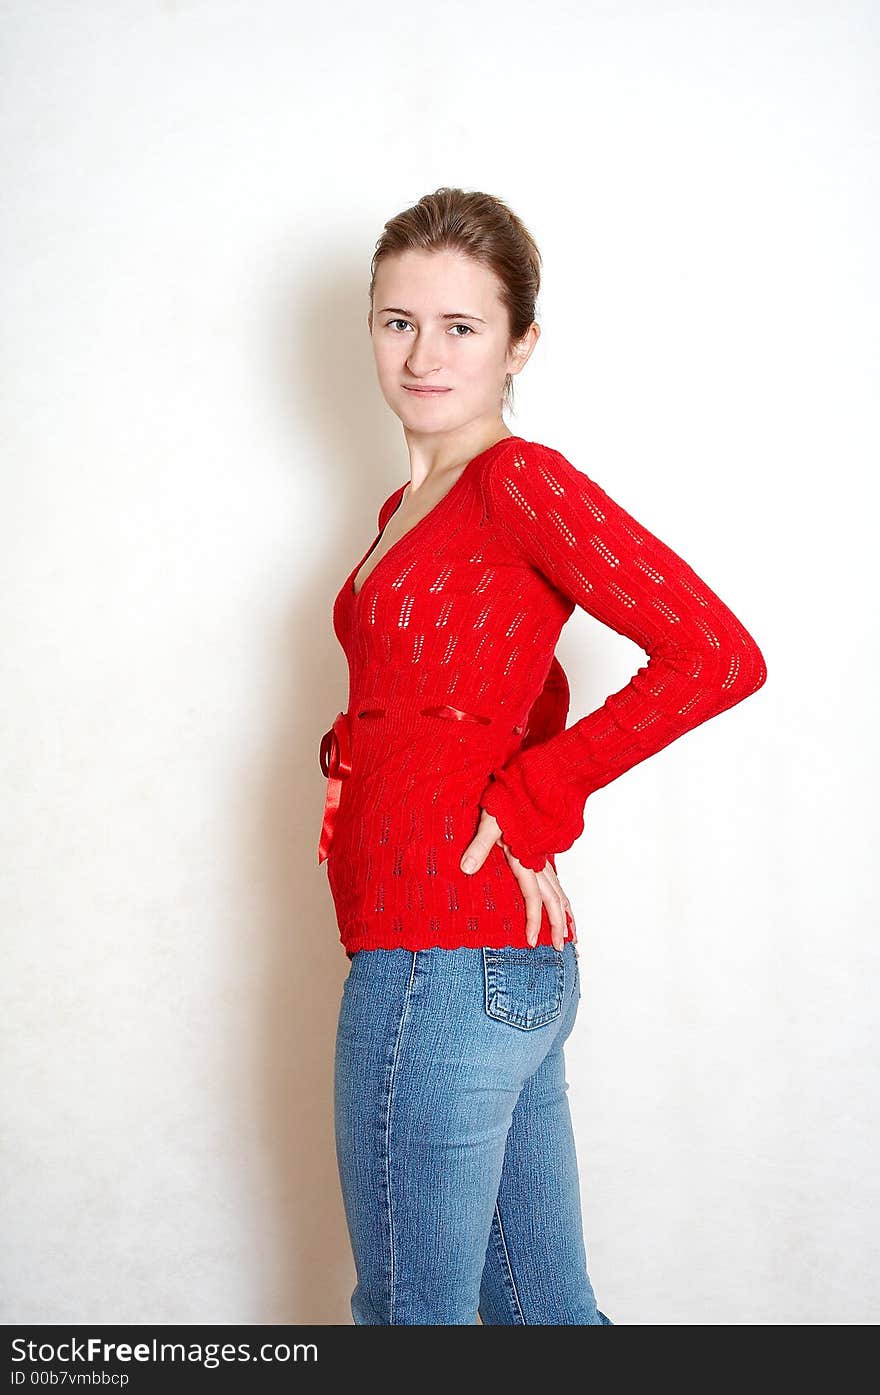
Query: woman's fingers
pixel 570 913
pixel 556 915
pixel 528 881
pixel 539 889
pixel 481 845
pixel 558 905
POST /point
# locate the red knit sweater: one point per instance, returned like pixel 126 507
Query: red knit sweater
pixel 457 701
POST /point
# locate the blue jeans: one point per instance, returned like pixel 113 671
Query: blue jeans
pixel 454 1140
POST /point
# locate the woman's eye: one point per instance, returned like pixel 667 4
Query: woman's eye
pixel 391 324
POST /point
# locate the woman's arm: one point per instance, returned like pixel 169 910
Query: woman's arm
pixel 548 713
pixel 701 658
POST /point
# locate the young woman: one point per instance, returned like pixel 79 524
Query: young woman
pixel 453 782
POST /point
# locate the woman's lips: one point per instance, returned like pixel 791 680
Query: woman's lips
pixel 426 392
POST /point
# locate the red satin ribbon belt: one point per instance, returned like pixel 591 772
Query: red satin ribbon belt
pixel 336 765
pixel 335 757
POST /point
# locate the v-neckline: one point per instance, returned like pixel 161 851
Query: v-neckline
pixel 400 491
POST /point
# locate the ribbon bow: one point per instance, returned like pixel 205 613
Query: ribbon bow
pixel 335 757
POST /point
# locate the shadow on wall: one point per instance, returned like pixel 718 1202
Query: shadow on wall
pixel 355 458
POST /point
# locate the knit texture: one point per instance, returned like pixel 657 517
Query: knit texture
pixel 457 701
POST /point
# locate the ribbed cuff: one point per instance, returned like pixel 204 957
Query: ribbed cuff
pixel 532 832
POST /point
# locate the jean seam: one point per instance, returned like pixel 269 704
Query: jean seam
pixel 508 1265
pixel 388 1202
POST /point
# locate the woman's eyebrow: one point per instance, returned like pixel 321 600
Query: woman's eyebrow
pixel 450 315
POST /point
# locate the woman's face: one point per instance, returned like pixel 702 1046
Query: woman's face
pixel 438 323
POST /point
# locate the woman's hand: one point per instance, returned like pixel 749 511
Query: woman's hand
pixel 538 888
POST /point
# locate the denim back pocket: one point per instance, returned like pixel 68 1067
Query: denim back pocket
pixel 524 987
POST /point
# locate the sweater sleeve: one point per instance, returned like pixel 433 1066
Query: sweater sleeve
pixel 701 660
pixel 549 711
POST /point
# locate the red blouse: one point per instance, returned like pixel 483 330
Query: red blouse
pixel 457 701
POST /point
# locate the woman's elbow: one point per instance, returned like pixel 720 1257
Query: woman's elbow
pixel 741 672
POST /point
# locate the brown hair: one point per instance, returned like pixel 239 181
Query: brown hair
pixel 483 227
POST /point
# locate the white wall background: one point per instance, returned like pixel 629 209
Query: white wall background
pixel 194 451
